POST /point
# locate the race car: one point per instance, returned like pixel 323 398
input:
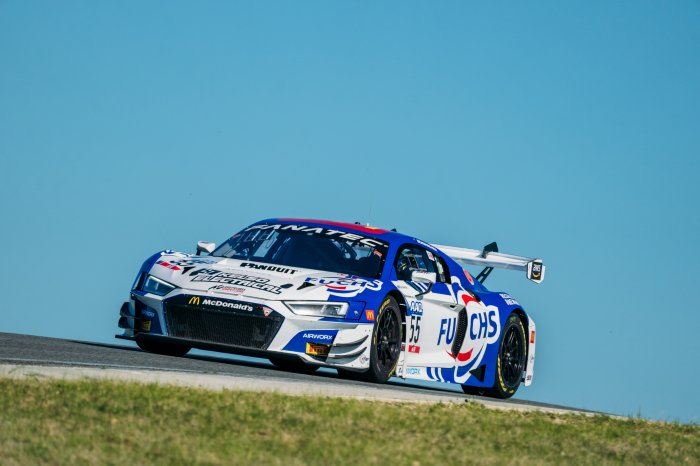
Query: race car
pixel 369 302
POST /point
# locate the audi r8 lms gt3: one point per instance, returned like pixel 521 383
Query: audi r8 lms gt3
pixel 369 302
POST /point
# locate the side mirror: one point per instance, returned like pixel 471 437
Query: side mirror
pixel 423 277
pixel 205 246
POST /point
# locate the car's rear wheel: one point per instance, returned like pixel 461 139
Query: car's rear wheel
pixel 510 364
pixel 292 365
pixel 169 349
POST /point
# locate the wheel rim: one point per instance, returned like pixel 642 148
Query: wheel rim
pixel 387 340
pixel 512 357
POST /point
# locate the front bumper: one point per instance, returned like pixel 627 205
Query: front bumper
pixel 245 326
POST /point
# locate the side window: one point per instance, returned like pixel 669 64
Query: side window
pixel 443 275
pixel 439 266
pixel 412 258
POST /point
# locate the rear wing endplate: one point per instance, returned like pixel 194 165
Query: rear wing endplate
pixel 490 258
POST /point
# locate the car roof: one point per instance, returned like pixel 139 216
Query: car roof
pixel 380 233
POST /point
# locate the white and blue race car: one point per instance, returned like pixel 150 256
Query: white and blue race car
pixel 368 302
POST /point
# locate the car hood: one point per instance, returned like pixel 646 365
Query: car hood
pixel 224 277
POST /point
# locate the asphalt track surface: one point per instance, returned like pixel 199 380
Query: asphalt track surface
pixel 26 350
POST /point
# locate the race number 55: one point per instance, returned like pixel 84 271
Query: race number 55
pixel 414 332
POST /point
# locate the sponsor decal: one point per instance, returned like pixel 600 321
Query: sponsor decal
pixel 227 289
pixel 248 281
pixel 423 243
pixel 484 325
pixel 269 268
pixel 322 231
pixel 227 304
pixel 364 359
pixel 532 337
pixel 146 325
pixel 199 301
pixel 369 314
pixel 509 301
pixel 190 262
pixel 528 378
pixel 317 350
pixel 413 371
pixel 267 311
pixel 536 270
pixel 184 264
pixel 415 308
pixel 413 349
pixel 346 286
pixel 483 329
pixel 318 336
pixel 167 265
pixel 149 314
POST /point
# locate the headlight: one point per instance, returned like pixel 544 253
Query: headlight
pixel 317 308
pixel 157 286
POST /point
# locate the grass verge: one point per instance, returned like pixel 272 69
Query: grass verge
pixel 97 422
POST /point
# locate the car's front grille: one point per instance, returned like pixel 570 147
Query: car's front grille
pixel 222 327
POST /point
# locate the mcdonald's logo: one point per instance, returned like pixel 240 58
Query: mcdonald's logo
pixel 194 300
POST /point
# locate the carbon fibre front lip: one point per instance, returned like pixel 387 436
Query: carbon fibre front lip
pixel 206 346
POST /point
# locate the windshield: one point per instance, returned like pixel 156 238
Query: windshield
pixel 307 247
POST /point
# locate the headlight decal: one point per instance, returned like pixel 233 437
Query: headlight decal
pixel 318 308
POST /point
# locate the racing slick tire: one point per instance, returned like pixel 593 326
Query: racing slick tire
pixel 292 365
pixel 510 363
pixel 168 349
pixel 387 336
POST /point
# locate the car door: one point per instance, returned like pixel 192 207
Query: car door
pixel 431 311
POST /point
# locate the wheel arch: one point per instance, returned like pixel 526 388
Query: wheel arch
pixel 396 294
pixel 525 320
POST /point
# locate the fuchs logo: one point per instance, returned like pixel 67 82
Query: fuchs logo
pixel 346 286
pixel 484 329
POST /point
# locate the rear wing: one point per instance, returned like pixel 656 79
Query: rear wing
pixel 490 258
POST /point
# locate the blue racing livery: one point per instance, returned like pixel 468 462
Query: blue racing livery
pixel 370 302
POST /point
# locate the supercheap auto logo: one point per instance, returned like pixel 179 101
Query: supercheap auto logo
pixel 249 281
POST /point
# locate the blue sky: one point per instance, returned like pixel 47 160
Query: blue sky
pixel 563 130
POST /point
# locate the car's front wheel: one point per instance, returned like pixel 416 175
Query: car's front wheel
pixel 169 349
pixel 386 342
pixel 292 365
pixel 510 364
